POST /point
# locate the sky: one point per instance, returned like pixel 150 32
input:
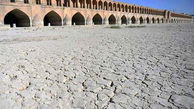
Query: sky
pixel 179 6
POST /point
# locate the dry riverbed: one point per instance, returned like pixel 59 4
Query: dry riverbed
pixel 97 67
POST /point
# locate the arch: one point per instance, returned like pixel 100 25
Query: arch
pixel 158 20
pixel 112 19
pixel 88 4
pixel 53 18
pixel 119 7
pixel 114 7
pixel 110 6
pixel 130 9
pixel 141 20
pixel 100 4
pixel 17 17
pixel 133 9
pixel 133 20
pixel 74 2
pixel 105 5
pixel 82 3
pixel 123 20
pixel 122 8
pixel 78 19
pixel 126 8
pixel 140 10
pixel 162 20
pixel 94 4
pixel 147 20
pixel 97 19
pixel 137 10
pixel 153 20
pixel 66 3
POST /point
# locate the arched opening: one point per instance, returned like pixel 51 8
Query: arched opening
pixel 114 7
pixel 17 17
pixel 147 20
pixel 94 4
pixel 82 3
pixel 137 10
pixel 112 19
pixel 126 8
pixel 100 4
pixel 122 8
pixel 88 3
pixel 110 6
pixel 66 3
pixel 118 6
pixel 130 9
pixel 123 20
pixel 140 10
pixel 158 20
pixel 53 19
pixel 133 20
pixel 74 2
pixel 78 19
pixel 105 5
pixel 141 20
pixel 162 20
pixel 97 19
pixel 153 20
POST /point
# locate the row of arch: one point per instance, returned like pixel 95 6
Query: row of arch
pixel 110 6
pixel 19 19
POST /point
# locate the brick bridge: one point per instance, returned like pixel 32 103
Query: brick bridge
pixel 25 13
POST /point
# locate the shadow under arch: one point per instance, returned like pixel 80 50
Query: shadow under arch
pixel 141 20
pixel 17 17
pixel 112 19
pixel 123 20
pixel 147 20
pixel 97 19
pixel 53 19
pixel 78 19
pixel 133 20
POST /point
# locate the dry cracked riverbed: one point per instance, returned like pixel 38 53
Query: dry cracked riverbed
pixel 97 67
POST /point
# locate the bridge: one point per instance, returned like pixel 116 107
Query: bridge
pixel 27 13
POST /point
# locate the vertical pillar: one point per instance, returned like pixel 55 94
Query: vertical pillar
pixel 97 7
pixel 129 21
pixel 71 3
pixel 92 3
pixel 118 21
pixel 78 4
pixel 68 22
pixel 106 21
pixel 137 21
pixel 144 21
pixel 103 6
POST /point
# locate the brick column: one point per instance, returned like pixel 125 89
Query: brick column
pixel 106 21
pixel 71 3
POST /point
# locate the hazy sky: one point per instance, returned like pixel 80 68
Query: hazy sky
pixel 180 6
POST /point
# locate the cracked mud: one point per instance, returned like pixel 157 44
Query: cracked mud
pixel 97 67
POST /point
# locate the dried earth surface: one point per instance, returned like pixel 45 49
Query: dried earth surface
pixel 97 67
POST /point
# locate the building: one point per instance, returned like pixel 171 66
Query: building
pixel 26 13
